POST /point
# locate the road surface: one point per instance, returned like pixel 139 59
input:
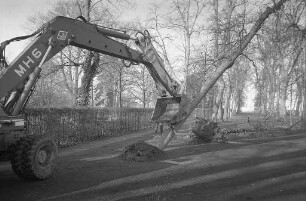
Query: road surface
pixel 258 169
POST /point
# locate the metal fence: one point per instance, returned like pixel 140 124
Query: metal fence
pixel 74 125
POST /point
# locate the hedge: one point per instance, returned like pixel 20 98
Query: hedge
pixel 74 125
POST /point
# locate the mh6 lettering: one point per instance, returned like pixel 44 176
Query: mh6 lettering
pixel 28 62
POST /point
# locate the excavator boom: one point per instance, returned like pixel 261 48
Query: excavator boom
pixel 18 78
pixel 58 33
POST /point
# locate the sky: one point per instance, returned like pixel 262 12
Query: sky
pixel 15 13
pixel 13 21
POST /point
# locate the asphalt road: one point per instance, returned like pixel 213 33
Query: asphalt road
pixel 264 169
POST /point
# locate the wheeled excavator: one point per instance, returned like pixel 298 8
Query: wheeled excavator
pixel 35 158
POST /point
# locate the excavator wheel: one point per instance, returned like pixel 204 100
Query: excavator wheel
pixel 34 158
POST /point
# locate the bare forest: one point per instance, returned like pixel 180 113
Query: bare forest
pixel 229 56
pixel 154 100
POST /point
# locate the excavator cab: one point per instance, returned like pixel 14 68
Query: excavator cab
pixel 165 109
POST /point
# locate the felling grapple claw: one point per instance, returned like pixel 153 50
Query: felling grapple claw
pixel 165 109
pixel 171 109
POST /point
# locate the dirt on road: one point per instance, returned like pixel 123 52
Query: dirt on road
pixel 271 167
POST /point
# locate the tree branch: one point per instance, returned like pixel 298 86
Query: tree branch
pixel 187 108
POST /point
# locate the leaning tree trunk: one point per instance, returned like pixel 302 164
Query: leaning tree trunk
pixel 226 64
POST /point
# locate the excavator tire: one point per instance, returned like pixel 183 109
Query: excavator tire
pixel 34 158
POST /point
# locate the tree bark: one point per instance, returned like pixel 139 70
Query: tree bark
pixel 217 109
pixel 304 83
pixel 90 70
pixel 285 78
pixel 227 98
pixel 218 95
pixel 226 64
pixel 299 96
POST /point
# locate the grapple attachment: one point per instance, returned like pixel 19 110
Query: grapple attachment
pixel 165 109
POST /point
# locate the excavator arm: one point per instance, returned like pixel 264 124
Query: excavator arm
pixel 35 157
pixel 18 79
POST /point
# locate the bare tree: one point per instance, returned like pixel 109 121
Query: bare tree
pixel 226 64
pixel 279 45
pixel 141 85
pixel 185 18
pixel 229 27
